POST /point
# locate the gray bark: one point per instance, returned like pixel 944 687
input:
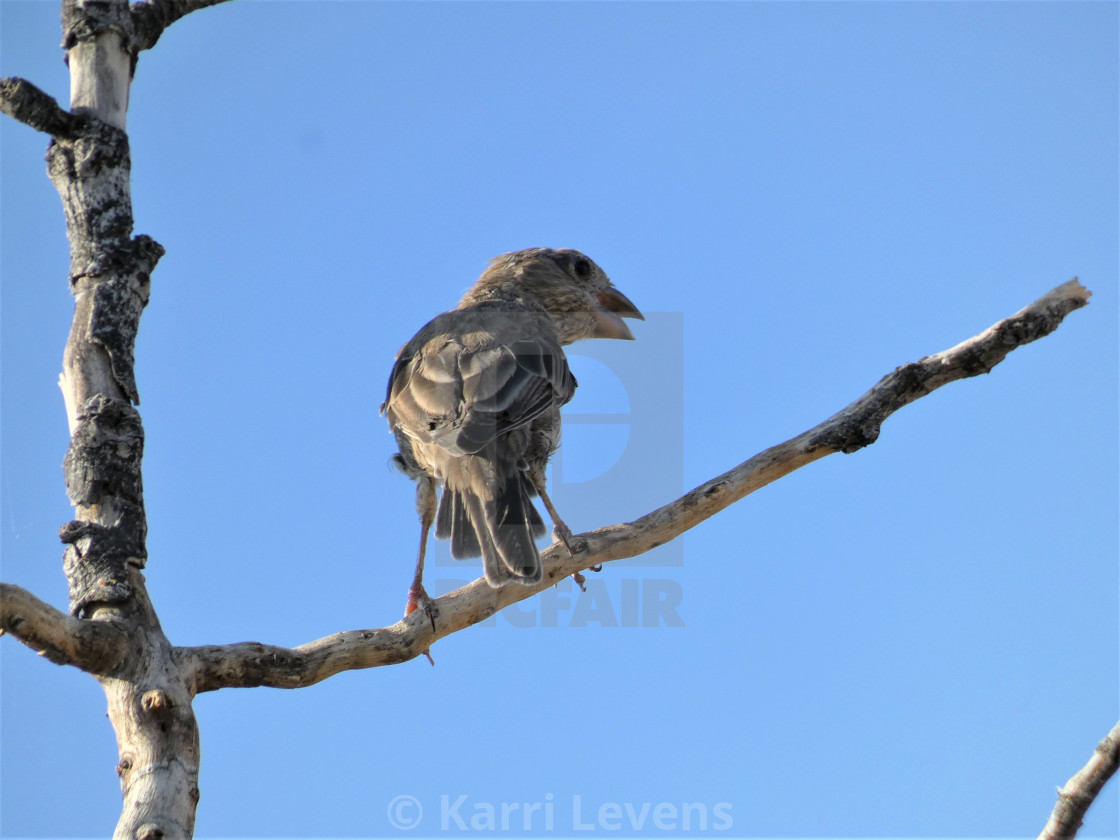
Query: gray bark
pixel 116 635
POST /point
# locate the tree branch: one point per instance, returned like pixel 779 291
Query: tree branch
pixel 151 17
pixel 22 101
pixel 252 664
pixel 1079 792
pixel 93 646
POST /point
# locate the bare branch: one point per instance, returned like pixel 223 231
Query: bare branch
pixel 1079 792
pixel 253 664
pixel 22 101
pixel 858 424
pixel 151 17
pixel 93 646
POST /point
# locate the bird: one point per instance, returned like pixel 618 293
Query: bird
pixel 473 402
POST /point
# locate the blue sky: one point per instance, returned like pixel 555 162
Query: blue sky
pixel 917 640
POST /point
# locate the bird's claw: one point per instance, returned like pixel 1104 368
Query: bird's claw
pixel 563 535
pixel 581 581
pixel 418 598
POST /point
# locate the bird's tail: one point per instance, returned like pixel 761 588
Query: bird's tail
pixel 492 515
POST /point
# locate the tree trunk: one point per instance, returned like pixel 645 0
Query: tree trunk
pixel 149 704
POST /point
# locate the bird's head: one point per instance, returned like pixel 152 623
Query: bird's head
pixel 575 292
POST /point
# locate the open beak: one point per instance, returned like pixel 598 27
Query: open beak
pixel 608 319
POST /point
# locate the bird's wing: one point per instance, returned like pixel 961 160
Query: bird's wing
pixel 461 392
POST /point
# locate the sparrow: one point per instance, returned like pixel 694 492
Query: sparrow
pixel 474 401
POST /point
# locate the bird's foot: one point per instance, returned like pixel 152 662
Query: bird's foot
pixel 562 534
pixel 418 598
pixel 581 581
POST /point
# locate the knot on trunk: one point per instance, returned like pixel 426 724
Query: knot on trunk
pixel 156 702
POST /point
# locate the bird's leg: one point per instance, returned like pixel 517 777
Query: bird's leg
pixel 417 595
pixel 426 507
pixel 560 529
pixel 563 532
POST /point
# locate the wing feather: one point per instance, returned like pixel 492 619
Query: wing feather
pixel 463 396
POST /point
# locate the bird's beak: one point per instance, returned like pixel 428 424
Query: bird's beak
pixel 608 319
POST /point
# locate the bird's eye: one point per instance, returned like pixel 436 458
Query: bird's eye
pixel 582 266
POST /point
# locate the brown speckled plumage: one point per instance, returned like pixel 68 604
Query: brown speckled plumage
pixel 474 402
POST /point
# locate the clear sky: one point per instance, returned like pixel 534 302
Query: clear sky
pixel 917 640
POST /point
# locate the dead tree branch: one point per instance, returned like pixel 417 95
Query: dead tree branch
pixel 22 101
pixel 94 646
pixel 1080 791
pixel 253 664
pixel 151 17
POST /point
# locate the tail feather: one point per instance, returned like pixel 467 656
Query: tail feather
pixel 502 531
pixel 514 524
pixel 453 523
